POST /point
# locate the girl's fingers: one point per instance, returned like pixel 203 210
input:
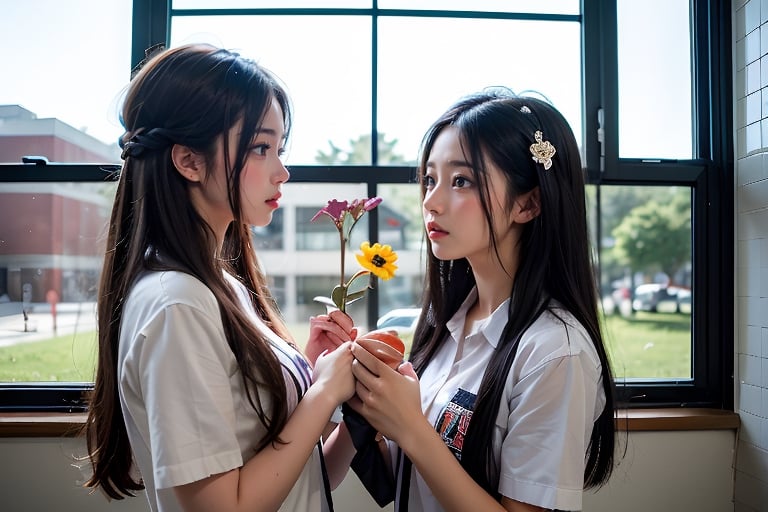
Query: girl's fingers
pixel 342 320
pixel 368 360
pixel 361 391
pixel 362 374
pixel 407 370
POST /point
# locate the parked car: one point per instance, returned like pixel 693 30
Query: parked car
pixel 402 320
pixel 659 298
pixel 617 301
pixel 684 301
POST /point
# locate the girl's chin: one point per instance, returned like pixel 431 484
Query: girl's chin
pixel 260 221
pixel 442 253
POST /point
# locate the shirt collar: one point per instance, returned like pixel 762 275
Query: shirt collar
pixel 491 327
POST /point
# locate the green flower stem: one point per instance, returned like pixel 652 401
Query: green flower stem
pixel 359 273
pixel 343 247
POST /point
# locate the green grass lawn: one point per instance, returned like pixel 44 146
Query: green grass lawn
pixel 68 358
pixel 645 345
pixel 649 345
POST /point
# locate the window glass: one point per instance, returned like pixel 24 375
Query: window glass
pixel 50 261
pixel 646 279
pixel 654 58
pixel 309 262
pixel 328 80
pixel 417 83
pixel 401 225
pixel 271 236
pixel 259 4
pixel 52 243
pixel 531 6
pixel 60 92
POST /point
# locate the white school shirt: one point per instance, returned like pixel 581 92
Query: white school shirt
pixel 552 397
pixel 182 393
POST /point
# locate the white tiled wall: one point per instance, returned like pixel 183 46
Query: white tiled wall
pixel 751 204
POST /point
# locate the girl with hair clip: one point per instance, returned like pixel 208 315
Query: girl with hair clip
pixel 507 401
pixel 201 397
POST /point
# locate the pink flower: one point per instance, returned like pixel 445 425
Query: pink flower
pixel 335 210
pixel 372 203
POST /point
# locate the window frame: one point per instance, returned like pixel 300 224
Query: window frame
pixel 710 178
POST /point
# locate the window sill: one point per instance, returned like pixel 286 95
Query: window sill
pixel 20 424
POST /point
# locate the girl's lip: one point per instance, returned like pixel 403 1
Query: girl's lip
pixel 434 231
pixel 435 235
pixel 435 227
pixel 274 201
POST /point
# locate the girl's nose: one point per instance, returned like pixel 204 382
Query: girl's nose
pixel 431 201
pixel 283 175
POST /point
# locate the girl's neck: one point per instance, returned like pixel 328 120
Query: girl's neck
pixel 494 272
pixel 493 288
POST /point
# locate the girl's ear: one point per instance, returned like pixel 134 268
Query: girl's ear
pixel 190 164
pixel 527 206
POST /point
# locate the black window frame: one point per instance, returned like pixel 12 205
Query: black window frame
pixel 710 177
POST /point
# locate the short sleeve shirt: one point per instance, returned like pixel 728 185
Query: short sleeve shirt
pixel 552 397
pixel 182 393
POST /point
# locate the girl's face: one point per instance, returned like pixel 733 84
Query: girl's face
pixel 264 171
pixel 453 215
pixel 260 181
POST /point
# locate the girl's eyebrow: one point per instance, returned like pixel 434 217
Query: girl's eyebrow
pixel 269 131
pixel 452 163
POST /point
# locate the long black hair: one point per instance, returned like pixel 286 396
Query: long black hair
pixel 193 96
pixel 555 266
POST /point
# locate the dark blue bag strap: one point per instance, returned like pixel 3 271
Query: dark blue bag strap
pixel 326 481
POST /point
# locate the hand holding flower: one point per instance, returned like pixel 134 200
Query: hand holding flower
pixel 326 332
pixel 333 373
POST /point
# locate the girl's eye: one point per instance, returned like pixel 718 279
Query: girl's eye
pixel 461 182
pixel 428 181
pixel 260 149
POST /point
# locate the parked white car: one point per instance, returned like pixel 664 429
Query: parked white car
pixel 402 320
pixel 662 299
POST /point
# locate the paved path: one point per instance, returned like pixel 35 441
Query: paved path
pixel 70 318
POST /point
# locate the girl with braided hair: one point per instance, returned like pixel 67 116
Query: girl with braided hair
pixel 201 397
pixel 507 401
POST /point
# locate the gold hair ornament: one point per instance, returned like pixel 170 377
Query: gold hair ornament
pixel 542 151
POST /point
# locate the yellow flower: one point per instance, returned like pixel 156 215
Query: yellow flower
pixel 379 259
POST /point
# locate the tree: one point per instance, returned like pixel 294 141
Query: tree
pixel 656 236
pixel 359 152
pixel 616 203
pixel 403 198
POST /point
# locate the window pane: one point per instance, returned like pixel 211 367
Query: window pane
pixel 329 80
pixel 531 6
pixel 270 237
pixel 50 262
pixel 60 94
pixel 401 225
pixel 418 81
pixel 261 4
pixel 309 261
pixel 646 279
pixel 654 55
